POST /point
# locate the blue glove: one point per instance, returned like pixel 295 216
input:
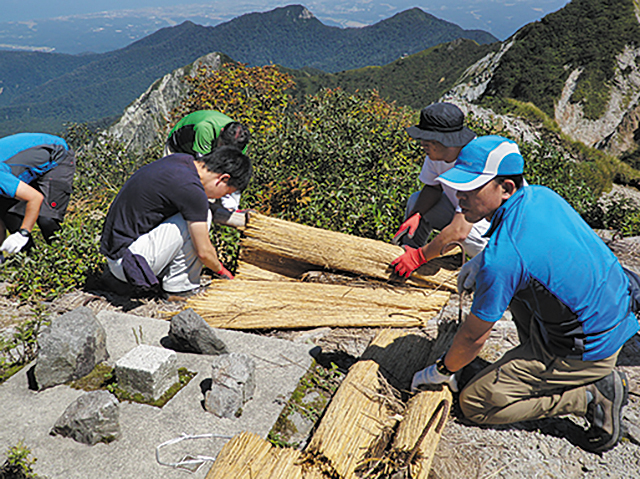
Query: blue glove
pixel 430 376
pixel 468 273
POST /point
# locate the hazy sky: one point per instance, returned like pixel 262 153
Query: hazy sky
pixel 500 17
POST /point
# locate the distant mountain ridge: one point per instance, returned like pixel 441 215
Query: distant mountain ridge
pixel 92 87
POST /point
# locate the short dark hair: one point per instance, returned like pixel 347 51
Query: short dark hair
pixel 229 160
pixel 517 179
pixel 234 134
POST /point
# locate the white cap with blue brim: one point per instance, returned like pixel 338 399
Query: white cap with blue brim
pixel 481 160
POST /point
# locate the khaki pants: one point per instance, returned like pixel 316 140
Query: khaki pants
pixel 529 382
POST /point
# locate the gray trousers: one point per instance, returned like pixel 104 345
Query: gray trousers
pixel 170 253
pixel 439 217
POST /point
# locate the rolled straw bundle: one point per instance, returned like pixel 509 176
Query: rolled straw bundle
pixel 408 443
pixel 241 304
pixel 362 414
pixel 338 252
pixel 251 272
pixel 247 456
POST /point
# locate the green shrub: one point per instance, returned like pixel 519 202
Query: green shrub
pixel 19 464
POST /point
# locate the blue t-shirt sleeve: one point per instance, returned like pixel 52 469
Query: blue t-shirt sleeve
pixel 8 182
pixel 500 277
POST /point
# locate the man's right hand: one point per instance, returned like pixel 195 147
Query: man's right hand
pixel 408 228
pixel 14 243
pixel 430 376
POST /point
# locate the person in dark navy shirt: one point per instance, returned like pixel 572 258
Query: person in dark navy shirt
pixel 568 295
pixel 36 179
pixel 157 228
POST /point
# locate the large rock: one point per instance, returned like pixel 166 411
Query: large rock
pixel 70 348
pixel 144 122
pixel 190 333
pixel 93 417
pixel 232 384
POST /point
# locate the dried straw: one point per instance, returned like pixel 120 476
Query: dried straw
pixel 247 456
pixel 359 421
pixel 258 304
pixel 251 272
pixel 419 411
pixel 269 238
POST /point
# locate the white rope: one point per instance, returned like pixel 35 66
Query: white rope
pixel 194 461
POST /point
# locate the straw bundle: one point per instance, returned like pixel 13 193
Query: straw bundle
pixel 409 441
pixel 356 421
pixel 251 272
pixel 241 304
pixel 248 456
pixel 359 421
pixel 273 238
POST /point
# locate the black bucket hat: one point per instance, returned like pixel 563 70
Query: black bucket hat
pixel 443 122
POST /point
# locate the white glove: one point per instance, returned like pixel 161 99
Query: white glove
pixel 468 273
pixel 14 243
pixel 430 376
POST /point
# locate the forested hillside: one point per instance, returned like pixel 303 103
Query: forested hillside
pixel 415 80
pixel 586 34
pixel 45 90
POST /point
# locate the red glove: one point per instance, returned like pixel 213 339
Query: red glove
pixel 224 272
pixel 410 261
pixel 409 228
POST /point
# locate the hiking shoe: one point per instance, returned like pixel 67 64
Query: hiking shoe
pixel 182 295
pixel 604 412
pixel 108 282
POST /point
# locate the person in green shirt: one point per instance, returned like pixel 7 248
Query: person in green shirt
pixel 198 133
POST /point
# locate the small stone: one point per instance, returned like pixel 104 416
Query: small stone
pixel 147 370
pixel 191 334
pixel 92 418
pixel 232 384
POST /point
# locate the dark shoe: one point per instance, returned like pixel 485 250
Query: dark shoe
pixel 604 412
pixel 182 295
pixel 108 282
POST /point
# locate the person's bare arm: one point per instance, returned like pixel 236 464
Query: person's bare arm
pixel 205 250
pixel 34 199
pixel 457 230
pixel 467 342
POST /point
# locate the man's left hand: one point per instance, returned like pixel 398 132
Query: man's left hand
pixel 430 376
pixel 14 243
pixel 224 273
pixel 411 260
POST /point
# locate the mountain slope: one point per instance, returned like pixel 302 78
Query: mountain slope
pixel 586 34
pixel 294 38
pixel 92 87
pixel 579 65
pixel 415 80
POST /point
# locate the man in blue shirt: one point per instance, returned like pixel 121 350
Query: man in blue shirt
pixel 567 293
pixel 36 178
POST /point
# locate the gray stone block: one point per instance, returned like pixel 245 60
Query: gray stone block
pixel 93 417
pixel 70 347
pixel 232 384
pixel 190 333
pixel 147 370
pixel 222 401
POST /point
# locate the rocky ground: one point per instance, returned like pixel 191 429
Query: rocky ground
pixel 540 449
